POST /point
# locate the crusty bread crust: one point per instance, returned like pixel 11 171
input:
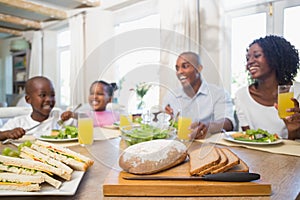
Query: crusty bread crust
pixel 242 167
pixel 202 159
pixel 232 161
pixel 223 161
pixel 152 156
pixel 228 162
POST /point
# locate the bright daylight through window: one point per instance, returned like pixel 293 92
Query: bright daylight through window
pixel 64 67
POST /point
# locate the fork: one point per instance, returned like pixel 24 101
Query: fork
pixel 61 122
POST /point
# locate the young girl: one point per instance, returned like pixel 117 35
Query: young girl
pixel 101 93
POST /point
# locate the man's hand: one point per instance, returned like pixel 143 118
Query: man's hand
pixel 199 130
pixel 169 110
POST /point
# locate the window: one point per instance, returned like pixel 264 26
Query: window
pixel 136 61
pixel 243 34
pixel 257 20
pixel 63 41
pixel 290 29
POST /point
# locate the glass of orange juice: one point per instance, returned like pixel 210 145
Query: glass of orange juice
pixel 125 119
pixel 184 130
pixel 285 93
pixel 85 129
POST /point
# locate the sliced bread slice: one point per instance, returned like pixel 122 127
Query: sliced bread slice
pixel 203 158
pixel 233 160
pixel 242 167
pixel 223 162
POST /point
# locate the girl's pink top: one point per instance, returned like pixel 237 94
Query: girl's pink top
pixel 105 118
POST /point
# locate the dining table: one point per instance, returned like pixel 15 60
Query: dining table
pixel 281 171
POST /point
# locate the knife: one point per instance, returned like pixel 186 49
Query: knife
pixel 225 177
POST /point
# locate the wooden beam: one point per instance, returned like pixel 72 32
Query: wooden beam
pixel 35 8
pixel 93 3
pixel 11 31
pixel 20 21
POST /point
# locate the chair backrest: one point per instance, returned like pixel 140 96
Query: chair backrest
pixel 3 104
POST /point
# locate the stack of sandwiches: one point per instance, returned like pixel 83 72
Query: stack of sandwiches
pixel 42 162
pixel 212 160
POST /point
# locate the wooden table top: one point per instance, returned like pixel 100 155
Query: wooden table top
pixel 281 171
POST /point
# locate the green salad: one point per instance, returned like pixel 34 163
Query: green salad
pixel 144 132
pixel 68 132
pixel 258 135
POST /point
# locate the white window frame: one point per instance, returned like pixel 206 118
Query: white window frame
pixel 274 25
pixel 60 49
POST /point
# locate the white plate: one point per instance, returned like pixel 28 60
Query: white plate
pixel 117 124
pixel 228 137
pixel 111 127
pixel 68 188
pixel 56 140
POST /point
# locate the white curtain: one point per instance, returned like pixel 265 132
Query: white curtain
pixel 182 17
pixel 180 31
pixel 77 48
pixel 35 65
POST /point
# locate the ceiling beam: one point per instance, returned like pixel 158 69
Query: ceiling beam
pixel 92 3
pixel 10 31
pixel 20 21
pixel 35 8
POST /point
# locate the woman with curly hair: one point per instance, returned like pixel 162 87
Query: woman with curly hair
pixel 271 61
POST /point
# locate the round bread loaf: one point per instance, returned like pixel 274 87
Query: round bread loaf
pixel 152 156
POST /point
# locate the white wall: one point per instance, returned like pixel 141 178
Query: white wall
pixel 99 29
pixel 50 63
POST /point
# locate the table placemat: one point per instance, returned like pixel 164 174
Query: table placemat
pixel 287 147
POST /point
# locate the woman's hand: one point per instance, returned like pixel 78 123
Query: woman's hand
pixel 292 122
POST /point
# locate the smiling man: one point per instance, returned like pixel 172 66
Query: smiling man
pixel 209 106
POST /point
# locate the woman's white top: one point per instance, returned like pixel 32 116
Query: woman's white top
pixel 251 113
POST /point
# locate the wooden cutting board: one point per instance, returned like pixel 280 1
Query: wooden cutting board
pixel 115 185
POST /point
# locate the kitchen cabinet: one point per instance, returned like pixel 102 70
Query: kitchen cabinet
pixel 20 62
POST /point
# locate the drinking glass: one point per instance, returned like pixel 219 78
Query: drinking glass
pixel 285 93
pixel 183 127
pixel 85 129
pixel 125 119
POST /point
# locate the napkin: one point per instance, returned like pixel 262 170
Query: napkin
pixel 105 133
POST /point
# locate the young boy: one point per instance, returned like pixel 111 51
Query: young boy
pixel 40 95
pixel 101 94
